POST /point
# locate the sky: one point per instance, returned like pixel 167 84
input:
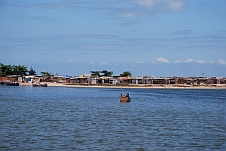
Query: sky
pixel 158 38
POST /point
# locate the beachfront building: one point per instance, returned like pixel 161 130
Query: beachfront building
pixel 159 80
pixel 150 80
pixel 84 78
pixel 32 79
pixel 104 80
pixel 137 80
pixel 124 80
pixel 113 81
pixel 58 79
pixel 116 80
pixel 88 79
pixel 223 80
pixel 9 78
pixel 74 80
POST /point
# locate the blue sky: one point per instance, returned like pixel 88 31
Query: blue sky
pixel 145 37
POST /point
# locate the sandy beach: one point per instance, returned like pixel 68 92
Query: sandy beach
pixel 155 86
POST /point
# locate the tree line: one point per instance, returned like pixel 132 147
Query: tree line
pixel 22 70
pixel 108 73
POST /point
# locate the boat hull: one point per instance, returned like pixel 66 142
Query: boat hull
pixel 39 85
pixel 125 99
pixel 11 84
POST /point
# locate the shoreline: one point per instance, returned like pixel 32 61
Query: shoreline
pixel 143 86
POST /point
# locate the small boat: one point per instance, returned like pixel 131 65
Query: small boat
pixel 40 85
pixel 11 84
pixel 125 98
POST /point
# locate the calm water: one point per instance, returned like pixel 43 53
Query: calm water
pixel 62 118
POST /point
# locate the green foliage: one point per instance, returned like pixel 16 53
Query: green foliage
pixel 95 73
pixel 126 74
pixel 6 70
pixel 107 73
pixel 20 70
pixel 101 73
pixel 48 74
pixel 32 71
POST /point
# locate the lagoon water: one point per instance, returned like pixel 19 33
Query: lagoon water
pixel 62 118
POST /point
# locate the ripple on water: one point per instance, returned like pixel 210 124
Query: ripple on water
pixel 94 119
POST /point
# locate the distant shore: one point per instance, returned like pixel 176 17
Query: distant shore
pixel 148 86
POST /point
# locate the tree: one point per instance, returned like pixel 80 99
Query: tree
pixel 101 73
pixel 95 73
pixel 48 74
pixel 32 71
pixel 20 70
pixel 126 74
pixel 6 70
pixel 107 73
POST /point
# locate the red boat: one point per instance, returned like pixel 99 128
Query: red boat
pixel 125 98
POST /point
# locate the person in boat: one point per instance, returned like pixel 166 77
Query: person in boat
pixel 127 95
pixel 122 96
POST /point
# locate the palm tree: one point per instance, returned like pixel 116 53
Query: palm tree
pixel 46 74
pixel 5 70
pixel 107 73
pixel 13 70
pixel 126 74
pixel 20 70
pixel 95 73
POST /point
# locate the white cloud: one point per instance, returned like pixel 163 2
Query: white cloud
pixel 169 5
pixel 189 60
pixel 161 59
pixel 194 61
pixel 103 63
pixel 221 61
pixel 201 61
pixel 92 63
pixel 134 8
pixel 140 62
pixel 69 61
pixel 177 61
pixel 175 5
pixel 148 3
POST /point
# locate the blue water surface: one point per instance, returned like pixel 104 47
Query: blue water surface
pixel 62 118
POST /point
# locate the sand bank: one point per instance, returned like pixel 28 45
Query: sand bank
pixel 156 86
